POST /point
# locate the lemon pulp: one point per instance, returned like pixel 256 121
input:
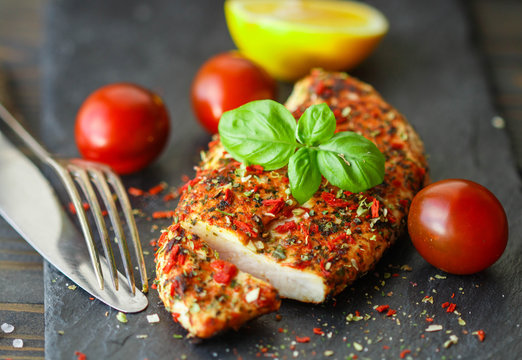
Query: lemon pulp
pixel 290 37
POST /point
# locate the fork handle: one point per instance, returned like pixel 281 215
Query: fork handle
pixel 24 135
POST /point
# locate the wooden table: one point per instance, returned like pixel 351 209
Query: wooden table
pixel 498 35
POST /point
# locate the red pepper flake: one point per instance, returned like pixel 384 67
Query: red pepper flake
pixel 451 308
pixel 162 214
pixel 445 305
pixel 428 319
pixel 224 271
pixel 278 205
pixel 154 286
pixel 170 196
pixel 104 213
pixel 91 298
pixel 229 196
pixel 404 353
pixel 80 355
pixel 255 169
pixel 136 192
pixel 480 334
pixel 281 330
pixel 247 229
pixel 155 190
pixel 303 339
pixel 382 308
pixel 391 312
pixel 173 287
pixel 175 317
pixel 181 259
pixel 286 227
pixel 375 208
pixel 453 295
pixel 285 180
pixel 318 331
pixel 331 200
pixel 172 259
pixel 385 347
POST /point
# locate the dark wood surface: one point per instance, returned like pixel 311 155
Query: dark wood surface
pixel 498 34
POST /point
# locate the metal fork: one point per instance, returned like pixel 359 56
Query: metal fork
pixel 85 174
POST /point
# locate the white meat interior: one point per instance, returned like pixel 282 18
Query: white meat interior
pixel 291 283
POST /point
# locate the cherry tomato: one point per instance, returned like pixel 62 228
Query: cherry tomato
pixel 223 83
pixel 458 226
pixel 123 125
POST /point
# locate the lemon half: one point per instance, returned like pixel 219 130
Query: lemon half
pixel 289 37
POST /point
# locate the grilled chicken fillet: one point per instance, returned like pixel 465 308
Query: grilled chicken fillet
pixel 312 251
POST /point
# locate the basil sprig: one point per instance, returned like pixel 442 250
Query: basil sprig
pixel 265 133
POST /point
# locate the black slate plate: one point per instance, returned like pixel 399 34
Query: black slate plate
pixel 427 67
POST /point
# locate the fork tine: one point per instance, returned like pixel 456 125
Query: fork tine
pixel 84 224
pixel 131 223
pixel 82 178
pixel 99 180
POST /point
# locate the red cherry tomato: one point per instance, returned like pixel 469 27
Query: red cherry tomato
pixel 458 226
pixel 123 125
pixel 223 83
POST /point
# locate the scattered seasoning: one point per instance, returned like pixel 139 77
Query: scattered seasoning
pixel 155 190
pixel 18 343
pixel 404 353
pixel 450 307
pixel 163 214
pixel 328 353
pixel 80 355
pixel 170 196
pixel 136 192
pixel 121 317
pixel 72 287
pixel 303 339
pixel 177 336
pixel 480 334
pixel 391 312
pixel 152 319
pixel 318 331
pixel 453 339
pixel 7 328
pixel 433 328
pixel 357 346
pixel 382 308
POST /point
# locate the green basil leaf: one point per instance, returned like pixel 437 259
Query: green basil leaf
pixel 351 162
pixel 316 125
pixel 304 174
pixel 260 132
